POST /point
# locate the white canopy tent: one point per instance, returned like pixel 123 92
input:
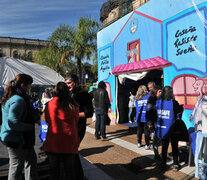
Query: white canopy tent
pixel 42 75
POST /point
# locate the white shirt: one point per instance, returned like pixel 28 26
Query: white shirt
pixel 131 100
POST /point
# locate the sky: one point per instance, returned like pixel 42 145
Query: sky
pixel 37 19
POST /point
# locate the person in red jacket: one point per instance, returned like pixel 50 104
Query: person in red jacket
pixel 62 140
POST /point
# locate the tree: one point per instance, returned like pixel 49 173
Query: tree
pixel 94 67
pixel 88 69
pixel 84 45
pixel 69 43
pixel 72 67
pixel 26 57
pixel 58 50
pixel 61 40
pixel 51 58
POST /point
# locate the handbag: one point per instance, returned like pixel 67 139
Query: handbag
pixel 107 120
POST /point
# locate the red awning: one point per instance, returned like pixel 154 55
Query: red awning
pixel 143 65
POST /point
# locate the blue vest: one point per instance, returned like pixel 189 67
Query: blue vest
pixel 165 118
pixel 43 131
pixel 35 104
pixel 141 106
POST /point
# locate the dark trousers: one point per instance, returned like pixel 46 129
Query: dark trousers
pixel 174 144
pixel 68 161
pixel 100 126
pixel 81 128
pixel 78 166
pixel 143 128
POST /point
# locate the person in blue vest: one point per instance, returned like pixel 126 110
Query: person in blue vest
pixel 167 110
pixel 142 96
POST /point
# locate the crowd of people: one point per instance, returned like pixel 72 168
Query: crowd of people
pixel 64 111
pixel 157 113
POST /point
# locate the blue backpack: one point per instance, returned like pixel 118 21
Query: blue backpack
pixel 165 118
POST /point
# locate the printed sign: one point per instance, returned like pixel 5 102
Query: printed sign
pixel 104 63
pixel 186 42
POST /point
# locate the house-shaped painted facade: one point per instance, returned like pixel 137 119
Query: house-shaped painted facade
pixel 168 29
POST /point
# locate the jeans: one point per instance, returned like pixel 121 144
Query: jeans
pixel 131 114
pixel 100 126
pixel 155 143
pixel 68 161
pixel 20 159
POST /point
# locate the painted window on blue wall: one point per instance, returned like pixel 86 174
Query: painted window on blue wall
pixel 184 91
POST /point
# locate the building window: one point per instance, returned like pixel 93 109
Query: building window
pixel 15 54
pixel 1 53
pixel 183 90
pixel 133 51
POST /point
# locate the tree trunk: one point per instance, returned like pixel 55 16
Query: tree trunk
pixel 79 70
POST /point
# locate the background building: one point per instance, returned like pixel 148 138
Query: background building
pixel 14 47
pixel 113 10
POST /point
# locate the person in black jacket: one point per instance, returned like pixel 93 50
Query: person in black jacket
pixel 84 100
pixel 151 117
pixel 102 104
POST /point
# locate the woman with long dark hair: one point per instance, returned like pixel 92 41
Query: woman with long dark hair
pixel 62 140
pixel 17 130
pixel 167 111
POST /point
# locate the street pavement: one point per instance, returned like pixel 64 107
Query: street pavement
pixel 117 157
pixel 121 159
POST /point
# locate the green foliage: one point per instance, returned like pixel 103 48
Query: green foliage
pixel 85 38
pixel 72 67
pixel 68 43
pixel 49 57
pixel 88 69
pixel 62 38
pixel 85 41
pixel 26 57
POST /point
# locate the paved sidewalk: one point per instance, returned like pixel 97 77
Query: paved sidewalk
pixel 116 158
pixel 119 157
pixel 141 151
pixel 92 172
